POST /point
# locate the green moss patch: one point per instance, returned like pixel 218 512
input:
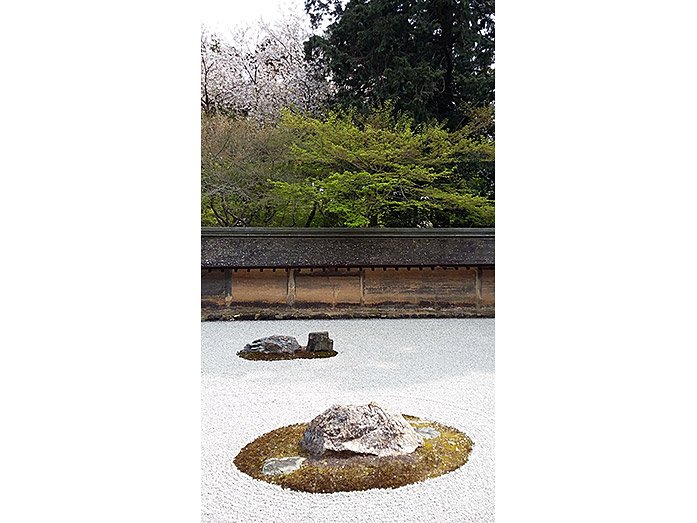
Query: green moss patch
pixel 346 471
pixel 298 355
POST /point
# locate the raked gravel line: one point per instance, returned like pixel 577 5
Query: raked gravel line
pixel 438 369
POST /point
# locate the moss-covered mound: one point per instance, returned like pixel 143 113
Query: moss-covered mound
pixel 297 355
pixel 345 471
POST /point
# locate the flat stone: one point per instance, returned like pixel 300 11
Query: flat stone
pixel 319 341
pixel 427 432
pixel 275 466
pixel 362 429
pixel 273 345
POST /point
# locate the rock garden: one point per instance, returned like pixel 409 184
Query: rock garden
pixel 397 429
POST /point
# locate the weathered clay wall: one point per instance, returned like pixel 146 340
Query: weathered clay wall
pixel 487 286
pixel 440 286
pixel 259 287
pixel 471 288
pixel 267 272
pixel 329 288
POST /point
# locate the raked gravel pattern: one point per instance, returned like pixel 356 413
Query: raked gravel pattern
pixel 436 369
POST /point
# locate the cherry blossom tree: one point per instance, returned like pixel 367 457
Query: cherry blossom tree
pixel 260 70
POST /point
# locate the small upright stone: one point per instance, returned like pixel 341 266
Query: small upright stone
pixel 319 341
pixel 273 345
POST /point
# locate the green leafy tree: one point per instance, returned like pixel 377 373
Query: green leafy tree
pixel 238 159
pixel 380 171
pixel 432 58
pixel 345 170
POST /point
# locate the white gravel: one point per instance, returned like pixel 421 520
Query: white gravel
pixel 442 370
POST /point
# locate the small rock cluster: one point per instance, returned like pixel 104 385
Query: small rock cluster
pixel 279 344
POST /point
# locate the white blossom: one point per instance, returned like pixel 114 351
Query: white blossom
pixel 260 70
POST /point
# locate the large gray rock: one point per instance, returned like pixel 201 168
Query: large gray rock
pixel 273 345
pixel 319 341
pixel 364 429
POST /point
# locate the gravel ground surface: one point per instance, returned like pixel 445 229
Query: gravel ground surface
pixel 437 369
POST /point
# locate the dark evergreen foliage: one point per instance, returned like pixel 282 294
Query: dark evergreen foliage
pixel 432 58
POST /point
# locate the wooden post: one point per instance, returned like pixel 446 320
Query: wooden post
pixel 361 280
pixel 227 275
pixel 291 288
pixel 478 284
